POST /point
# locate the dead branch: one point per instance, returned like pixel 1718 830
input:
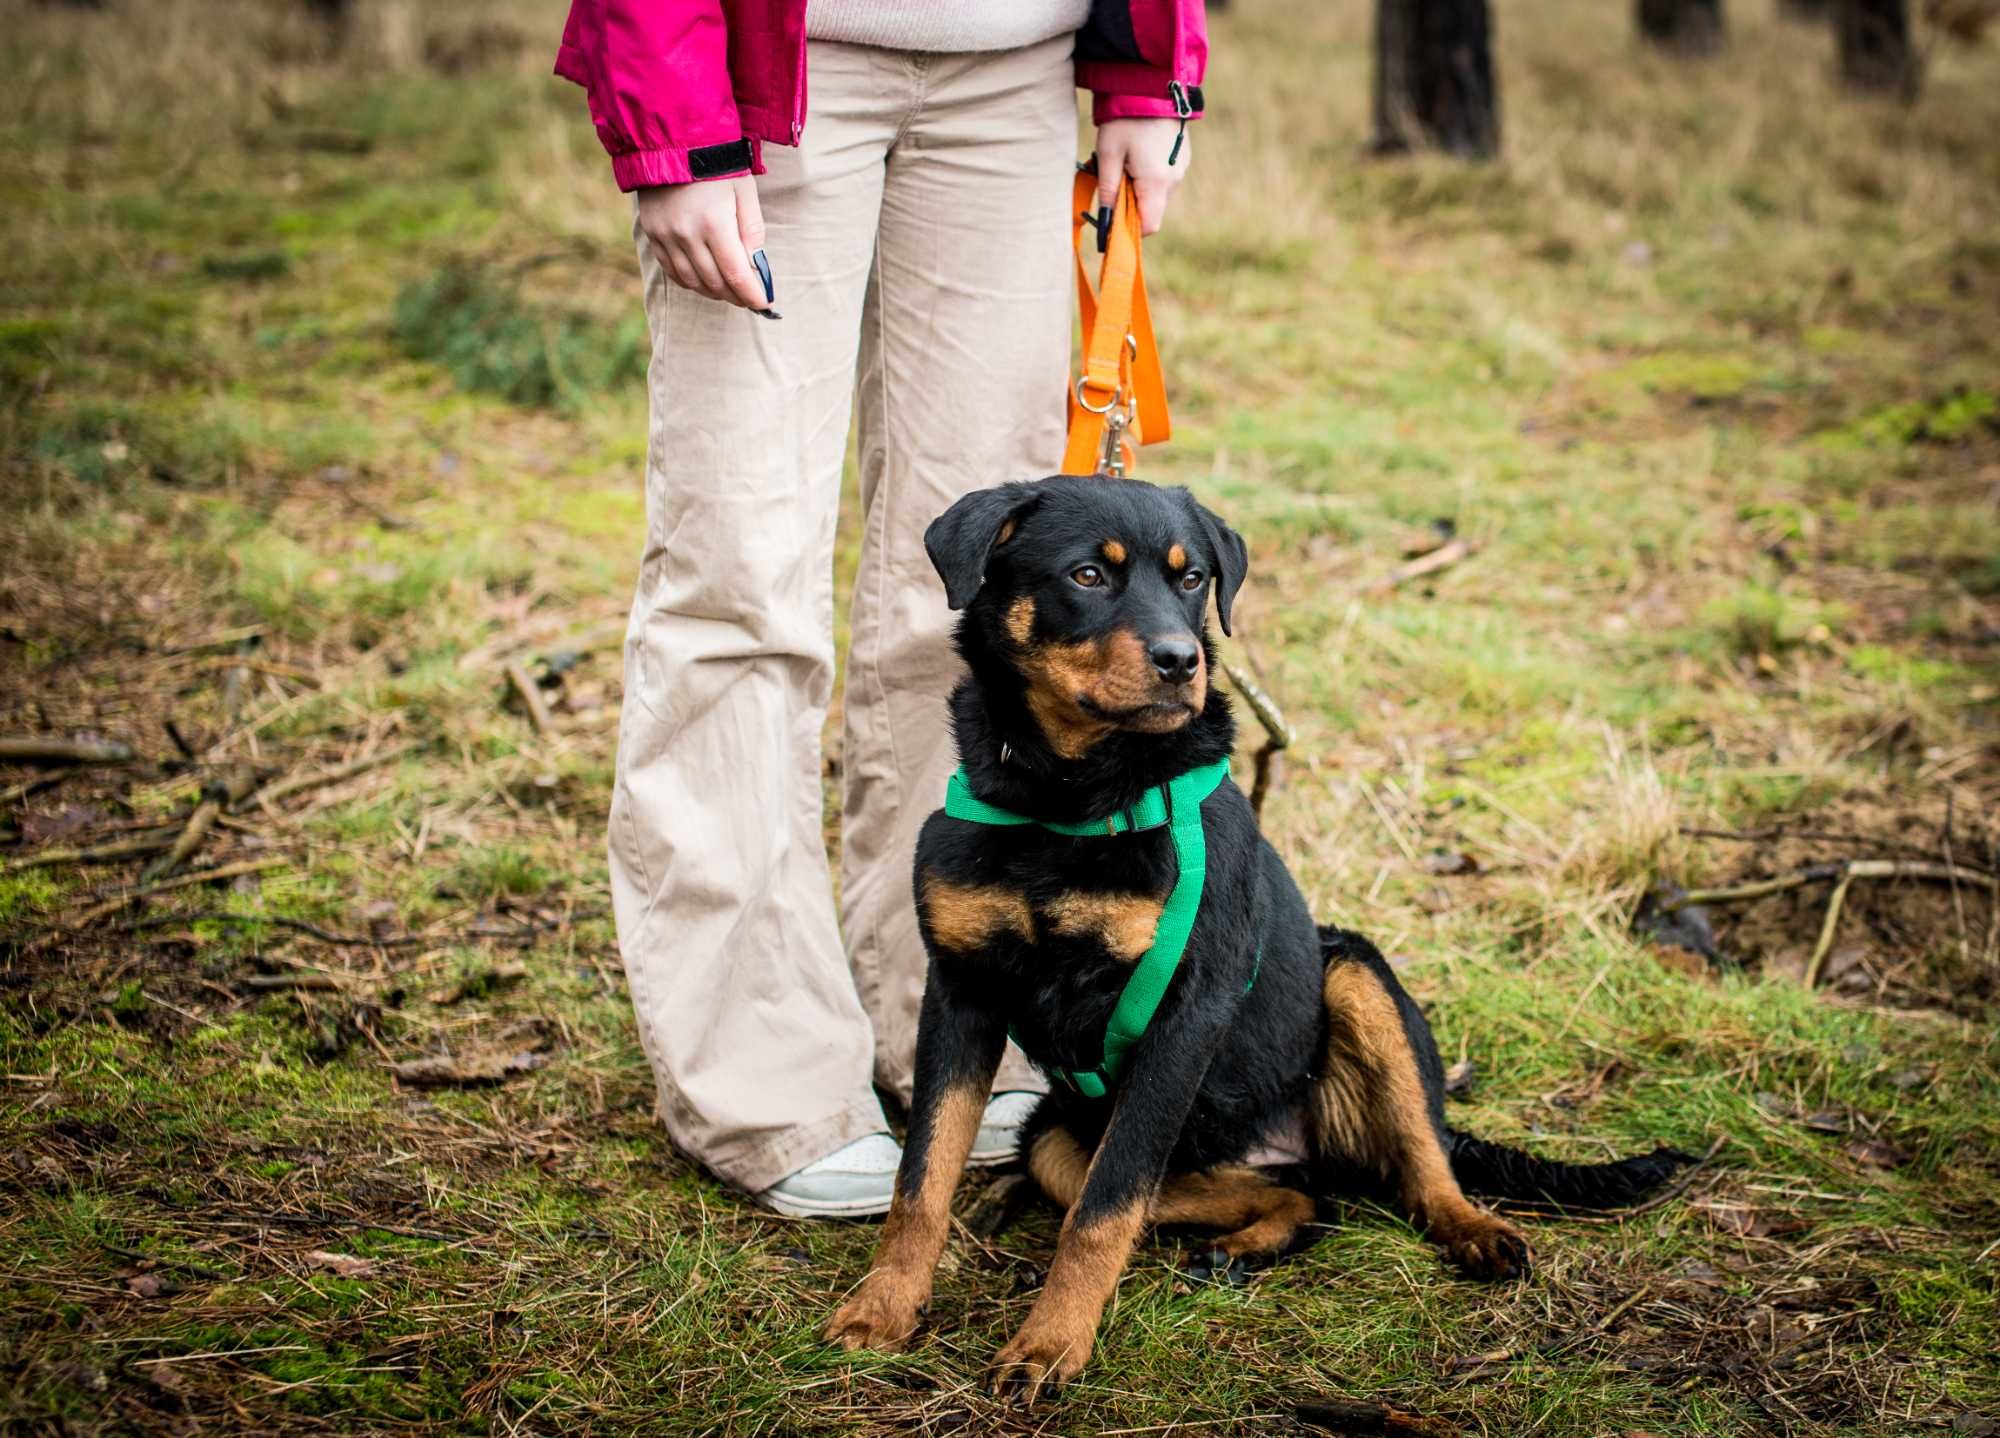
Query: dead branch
pixel 1833 873
pixel 96 854
pixel 35 749
pixel 293 981
pixel 1349 1415
pixel 261 666
pixel 1827 928
pixel 216 795
pixel 401 941
pixel 1277 731
pixel 199 876
pixel 530 695
pixel 1443 557
pixel 221 640
pixel 1841 875
pixel 299 783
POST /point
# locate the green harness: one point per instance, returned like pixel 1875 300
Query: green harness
pixel 1176 806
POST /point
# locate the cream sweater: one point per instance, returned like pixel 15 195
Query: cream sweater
pixel 946 25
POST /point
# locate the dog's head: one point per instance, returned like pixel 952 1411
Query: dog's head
pixel 1094 592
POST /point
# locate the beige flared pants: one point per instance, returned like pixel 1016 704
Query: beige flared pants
pixel 919 238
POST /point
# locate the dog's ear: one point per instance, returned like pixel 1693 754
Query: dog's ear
pixel 1228 558
pixel 960 540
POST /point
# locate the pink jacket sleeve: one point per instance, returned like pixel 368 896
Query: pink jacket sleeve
pixel 658 80
pixel 1160 76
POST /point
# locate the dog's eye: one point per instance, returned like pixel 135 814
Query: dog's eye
pixel 1088 577
pixel 1193 580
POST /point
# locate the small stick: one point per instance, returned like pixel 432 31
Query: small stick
pixel 403 941
pixel 293 981
pixel 1277 731
pixel 217 795
pixel 98 854
pixel 298 784
pixel 1443 557
pixel 199 876
pixel 1830 873
pixel 33 749
pixel 220 640
pixel 531 699
pixel 261 666
pixel 1826 929
pixel 1261 704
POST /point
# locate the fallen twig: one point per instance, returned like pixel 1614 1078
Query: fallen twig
pixel 1443 557
pixel 1277 731
pixel 1833 872
pixel 279 921
pixel 35 749
pixel 473 1070
pixel 262 666
pixel 302 980
pixel 216 795
pixel 1841 874
pixel 530 695
pixel 299 783
pixel 199 876
pixel 96 854
pixel 1827 928
pixel 1349 1415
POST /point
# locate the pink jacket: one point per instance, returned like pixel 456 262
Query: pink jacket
pixel 691 89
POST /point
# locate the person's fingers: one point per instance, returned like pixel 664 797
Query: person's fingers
pixel 1111 157
pixel 682 272
pixel 1152 193
pixel 737 281
pixel 705 271
pixel 749 212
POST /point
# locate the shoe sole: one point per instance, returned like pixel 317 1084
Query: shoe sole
pixel 833 1208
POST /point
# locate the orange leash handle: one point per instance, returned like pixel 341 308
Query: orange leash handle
pixel 1121 391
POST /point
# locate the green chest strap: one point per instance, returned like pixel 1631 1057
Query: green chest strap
pixel 1176 806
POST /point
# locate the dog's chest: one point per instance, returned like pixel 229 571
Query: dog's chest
pixel 1008 897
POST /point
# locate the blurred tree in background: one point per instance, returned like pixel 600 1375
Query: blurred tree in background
pixel 1434 77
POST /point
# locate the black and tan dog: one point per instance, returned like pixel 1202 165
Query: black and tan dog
pixel 1084 630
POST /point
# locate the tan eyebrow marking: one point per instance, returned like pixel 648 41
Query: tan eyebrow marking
pixel 1112 550
pixel 1177 558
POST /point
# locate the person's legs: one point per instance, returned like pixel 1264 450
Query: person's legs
pixel 746 1004
pixel 964 353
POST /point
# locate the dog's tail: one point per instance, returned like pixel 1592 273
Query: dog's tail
pixel 1494 1170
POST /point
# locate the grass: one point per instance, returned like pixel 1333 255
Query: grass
pixel 320 372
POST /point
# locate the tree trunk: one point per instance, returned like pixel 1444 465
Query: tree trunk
pixel 1693 27
pixel 1434 77
pixel 1809 10
pixel 1875 51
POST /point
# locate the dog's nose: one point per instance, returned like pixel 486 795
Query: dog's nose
pixel 1175 659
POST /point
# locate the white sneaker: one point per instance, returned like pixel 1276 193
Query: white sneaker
pixel 999 1138
pixel 856 1179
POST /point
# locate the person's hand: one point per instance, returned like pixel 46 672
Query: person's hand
pixel 704 233
pixel 1138 148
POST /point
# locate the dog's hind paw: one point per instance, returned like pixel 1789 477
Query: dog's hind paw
pixel 1217 1265
pixel 1492 1249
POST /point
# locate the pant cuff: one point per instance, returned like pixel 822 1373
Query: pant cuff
pixel 755 1166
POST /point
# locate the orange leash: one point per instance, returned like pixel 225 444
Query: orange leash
pixel 1120 400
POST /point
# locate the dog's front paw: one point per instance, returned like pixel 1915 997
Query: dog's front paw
pixel 1038 1360
pixel 882 1313
pixel 1489 1248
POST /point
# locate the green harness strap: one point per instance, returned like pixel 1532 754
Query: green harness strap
pixel 1175 805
